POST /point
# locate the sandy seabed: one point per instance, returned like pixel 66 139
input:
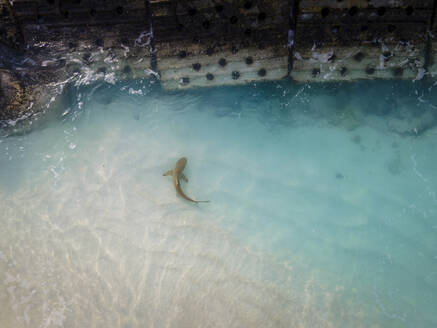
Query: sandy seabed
pixel 310 224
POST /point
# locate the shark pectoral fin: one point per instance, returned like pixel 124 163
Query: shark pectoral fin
pixel 183 177
pixel 169 172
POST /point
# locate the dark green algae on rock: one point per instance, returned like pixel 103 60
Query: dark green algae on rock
pixel 24 104
pixel 15 98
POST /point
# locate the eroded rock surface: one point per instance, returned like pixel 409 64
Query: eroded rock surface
pixel 14 97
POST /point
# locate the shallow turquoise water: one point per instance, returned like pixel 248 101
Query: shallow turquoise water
pixel 323 209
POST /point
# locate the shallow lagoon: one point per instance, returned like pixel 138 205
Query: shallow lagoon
pixel 323 209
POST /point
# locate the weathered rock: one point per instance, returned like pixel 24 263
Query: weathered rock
pixel 25 97
pixel 15 98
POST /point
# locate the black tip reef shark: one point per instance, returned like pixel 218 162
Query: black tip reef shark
pixel 177 174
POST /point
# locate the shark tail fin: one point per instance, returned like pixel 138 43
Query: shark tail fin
pixel 169 172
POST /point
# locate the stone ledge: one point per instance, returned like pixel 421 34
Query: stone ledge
pixel 198 43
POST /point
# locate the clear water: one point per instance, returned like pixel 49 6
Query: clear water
pixel 318 218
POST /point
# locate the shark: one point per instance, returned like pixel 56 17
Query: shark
pixel 177 174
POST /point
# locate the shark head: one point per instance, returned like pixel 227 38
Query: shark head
pixel 180 164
